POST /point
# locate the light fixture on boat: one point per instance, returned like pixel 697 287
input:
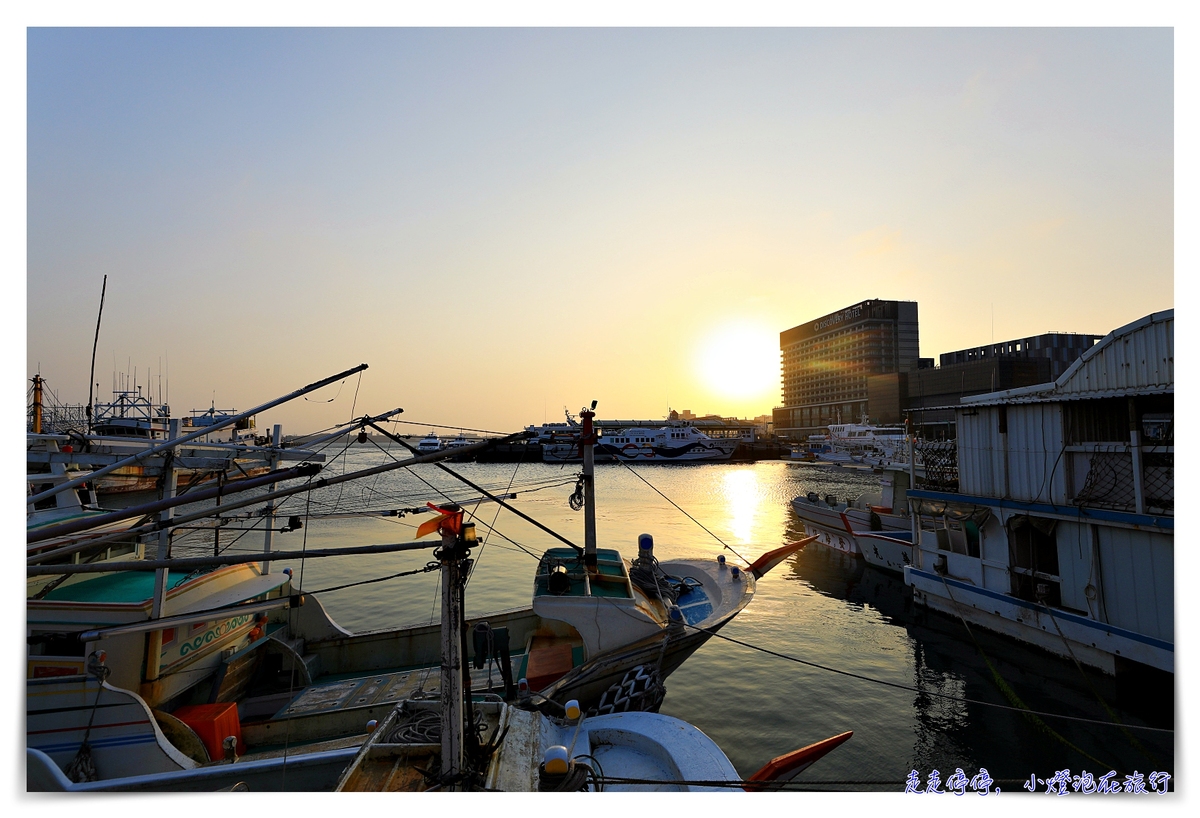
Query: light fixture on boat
pixel 555 762
pixel 645 546
pixel 468 532
pixel 720 560
pixel 558 582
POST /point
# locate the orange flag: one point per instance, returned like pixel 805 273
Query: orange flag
pixel 451 519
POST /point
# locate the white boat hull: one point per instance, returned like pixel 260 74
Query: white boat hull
pixel 1092 643
pixel 826 524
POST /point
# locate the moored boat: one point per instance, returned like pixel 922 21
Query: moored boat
pixel 1053 520
pixel 429 444
pixel 224 632
pixel 675 443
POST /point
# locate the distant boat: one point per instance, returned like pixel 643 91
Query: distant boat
pixel 429 444
pixel 676 443
pixel 458 442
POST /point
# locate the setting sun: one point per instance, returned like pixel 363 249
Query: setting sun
pixel 740 361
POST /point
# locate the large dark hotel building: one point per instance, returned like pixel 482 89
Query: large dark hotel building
pixel 826 363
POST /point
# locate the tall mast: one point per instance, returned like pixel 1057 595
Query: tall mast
pixel 37 404
pixel 587 440
pixel 457 539
pixel 95 341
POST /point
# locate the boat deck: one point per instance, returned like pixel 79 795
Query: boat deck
pixel 386 687
pixel 611 579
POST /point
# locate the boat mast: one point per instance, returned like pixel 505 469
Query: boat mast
pixel 587 440
pixel 457 539
pixel 95 342
pixel 37 404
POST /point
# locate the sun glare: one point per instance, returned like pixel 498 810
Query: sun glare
pixel 740 361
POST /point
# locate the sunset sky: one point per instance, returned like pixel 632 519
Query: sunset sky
pixel 504 222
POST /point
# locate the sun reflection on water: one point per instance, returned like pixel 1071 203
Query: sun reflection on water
pixel 743 498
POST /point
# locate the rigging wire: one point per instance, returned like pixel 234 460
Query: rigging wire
pixel 492 527
pixel 439 426
pixel 430 566
pixel 685 514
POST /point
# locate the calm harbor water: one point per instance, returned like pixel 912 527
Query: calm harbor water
pixel 821 606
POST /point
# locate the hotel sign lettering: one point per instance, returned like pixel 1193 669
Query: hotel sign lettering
pixel 847 314
pixel 864 310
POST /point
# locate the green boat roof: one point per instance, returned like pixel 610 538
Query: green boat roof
pixel 125 586
pixel 602 554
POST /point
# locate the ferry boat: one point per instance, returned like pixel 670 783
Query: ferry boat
pixel 1056 524
pixel 675 443
pixel 429 444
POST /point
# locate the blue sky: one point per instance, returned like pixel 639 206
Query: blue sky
pixel 506 221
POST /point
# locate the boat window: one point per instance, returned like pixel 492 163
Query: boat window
pixel 55 644
pixel 1034 554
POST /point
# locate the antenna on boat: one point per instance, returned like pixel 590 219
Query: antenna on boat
pixel 95 341
pixel 587 441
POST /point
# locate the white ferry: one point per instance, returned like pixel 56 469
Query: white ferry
pixel 429 444
pixel 668 444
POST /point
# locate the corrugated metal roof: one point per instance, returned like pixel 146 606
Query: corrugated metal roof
pixel 1136 359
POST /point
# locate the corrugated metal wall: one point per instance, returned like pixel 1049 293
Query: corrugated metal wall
pixel 1036 472
pixel 1075 566
pixel 977 445
pixel 1138 570
pixel 1142 358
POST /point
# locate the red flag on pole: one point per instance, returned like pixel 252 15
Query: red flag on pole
pixel 451 520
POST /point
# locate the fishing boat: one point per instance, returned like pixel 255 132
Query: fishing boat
pixel 433 739
pixel 79 505
pixel 458 741
pixel 889 550
pixel 1053 523
pixel 130 424
pixel 220 631
pixel 866 441
pixel 519 750
pixel 821 517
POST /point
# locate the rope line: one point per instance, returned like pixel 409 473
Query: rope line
pixel 439 426
pixel 432 566
pixel 685 514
